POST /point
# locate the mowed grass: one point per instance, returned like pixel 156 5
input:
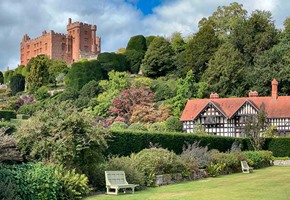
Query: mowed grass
pixel 269 183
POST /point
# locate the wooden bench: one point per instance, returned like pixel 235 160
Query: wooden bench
pixel 245 167
pixel 116 180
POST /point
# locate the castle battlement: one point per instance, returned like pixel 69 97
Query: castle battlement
pixel 79 41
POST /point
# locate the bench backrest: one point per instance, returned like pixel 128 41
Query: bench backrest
pixel 244 164
pixel 115 178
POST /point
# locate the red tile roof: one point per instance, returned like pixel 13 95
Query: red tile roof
pixel 275 108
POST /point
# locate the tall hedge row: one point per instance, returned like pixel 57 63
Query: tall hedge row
pixel 279 146
pixel 125 142
pixel 7 114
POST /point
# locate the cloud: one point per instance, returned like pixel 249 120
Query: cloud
pixel 117 20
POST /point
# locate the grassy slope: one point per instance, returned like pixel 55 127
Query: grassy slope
pixel 269 183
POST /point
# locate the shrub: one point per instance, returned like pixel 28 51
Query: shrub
pixel 157 127
pixel 173 124
pixel 137 126
pixel 29 109
pixel 230 161
pixel 129 166
pixel 8 190
pixel 258 159
pixel 42 93
pixel 216 169
pixel 7 114
pixel 118 125
pixel 197 153
pixel 156 161
pixel 73 185
pixel 11 127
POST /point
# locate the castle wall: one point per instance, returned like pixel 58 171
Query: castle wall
pixel 80 40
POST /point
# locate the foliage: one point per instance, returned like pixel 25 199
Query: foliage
pixel 199 155
pixel 164 88
pixel 110 89
pixel 125 142
pixel 129 166
pixel 150 113
pixel 112 61
pixel 38 72
pixel 155 161
pixel 58 133
pixel 158 60
pixel 7 76
pixel 138 43
pixel 68 94
pixel 8 190
pixel 199 50
pixel 91 89
pixel 224 74
pixel 17 83
pixel 125 103
pixel 73 185
pixel 56 68
pixel 118 125
pixel 29 109
pixel 137 126
pixel 141 82
pixel 33 181
pixel 173 124
pixel 82 73
pixel 279 146
pixel 255 129
pixel 157 127
pixel 216 169
pixel 11 128
pixel 42 93
pixel 1 78
pixel 258 159
pixel 7 114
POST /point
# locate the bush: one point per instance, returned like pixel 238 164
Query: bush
pixel 29 109
pixel 137 126
pixel 258 159
pixel 11 127
pixel 40 181
pixel 157 127
pixel 117 125
pixel 8 190
pixel 7 114
pixel 279 146
pixel 73 185
pixel 155 161
pixel 129 166
pixel 229 161
pixel 197 153
pixel 173 124
pixel 42 93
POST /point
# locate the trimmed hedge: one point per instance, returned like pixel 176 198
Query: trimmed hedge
pixel 279 146
pixel 125 142
pixel 7 114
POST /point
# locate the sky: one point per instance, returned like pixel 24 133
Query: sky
pixel 116 20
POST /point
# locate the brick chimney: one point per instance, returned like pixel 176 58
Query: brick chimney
pixel 253 93
pixel 214 96
pixel 274 89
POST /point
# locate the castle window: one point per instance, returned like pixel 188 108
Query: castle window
pixel 40 50
pixel 63 46
pixel 73 31
pixel 45 46
pixel 40 43
pixel 86 39
pixel 86 32
pixel 86 48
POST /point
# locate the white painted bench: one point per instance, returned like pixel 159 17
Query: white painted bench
pixel 245 167
pixel 116 180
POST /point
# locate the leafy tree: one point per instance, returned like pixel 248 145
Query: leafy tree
pixel 149 39
pixel 17 84
pixel 69 94
pixel 159 58
pixel 177 42
pixel 42 93
pixel 123 105
pixel 82 73
pixel 224 74
pixel 141 82
pixel 164 88
pixel 110 89
pixel 56 68
pixel 173 124
pixel 1 78
pixel 137 43
pixel 185 90
pixel 224 19
pixel 91 89
pixel 38 72
pixel 112 61
pixel 150 113
pixel 60 134
pixel 255 129
pixel 199 51
pixel 134 58
pixel 7 76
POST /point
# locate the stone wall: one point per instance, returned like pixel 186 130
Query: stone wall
pixel 281 162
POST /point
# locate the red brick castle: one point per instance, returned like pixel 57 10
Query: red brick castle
pixel 79 42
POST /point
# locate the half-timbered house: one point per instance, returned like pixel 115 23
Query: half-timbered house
pixel 227 116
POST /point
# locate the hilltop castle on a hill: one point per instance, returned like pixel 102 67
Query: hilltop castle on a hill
pixel 79 42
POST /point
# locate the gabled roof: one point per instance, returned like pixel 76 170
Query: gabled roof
pixel 275 108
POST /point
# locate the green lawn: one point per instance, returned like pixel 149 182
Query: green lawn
pixel 269 183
